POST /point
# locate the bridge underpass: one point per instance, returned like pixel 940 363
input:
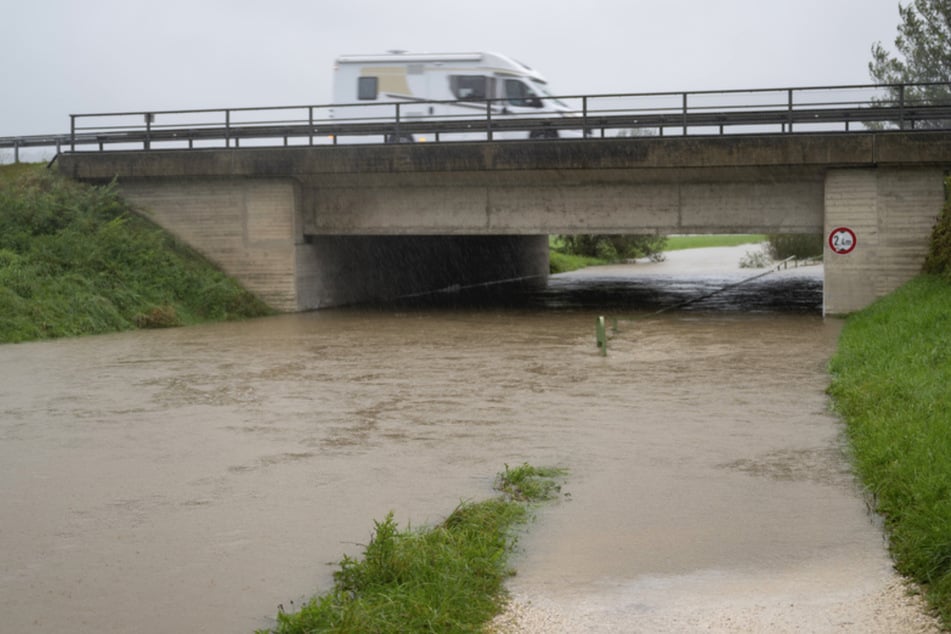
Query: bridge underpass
pixel 310 227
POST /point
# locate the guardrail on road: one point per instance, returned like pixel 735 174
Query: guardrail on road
pixel 753 111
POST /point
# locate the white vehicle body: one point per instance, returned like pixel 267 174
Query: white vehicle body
pixel 426 85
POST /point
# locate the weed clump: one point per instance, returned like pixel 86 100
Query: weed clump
pixel 526 483
pixel 158 317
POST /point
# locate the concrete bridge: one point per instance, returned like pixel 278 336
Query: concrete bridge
pixel 316 226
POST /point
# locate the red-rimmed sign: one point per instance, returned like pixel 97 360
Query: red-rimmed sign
pixel 842 240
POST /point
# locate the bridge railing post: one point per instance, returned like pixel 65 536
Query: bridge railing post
pixel 584 117
pixel 685 113
pixel 72 133
pixel 227 128
pixel 901 107
pixel 147 143
pixel 488 119
pixel 398 138
pixel 310 124
pixel 790 110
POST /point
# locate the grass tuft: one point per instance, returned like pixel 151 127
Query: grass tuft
pixel 447 578
pixel 526 483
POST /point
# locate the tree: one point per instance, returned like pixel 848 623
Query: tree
pixel 923 55
pixel 614 247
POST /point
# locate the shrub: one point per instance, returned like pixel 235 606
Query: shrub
pixel 613 247
pixel 938 260
pixel 798 245
pixel 755 260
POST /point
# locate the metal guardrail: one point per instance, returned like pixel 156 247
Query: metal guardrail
pixel 753 111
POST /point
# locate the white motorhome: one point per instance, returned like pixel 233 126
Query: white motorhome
pixel 446 86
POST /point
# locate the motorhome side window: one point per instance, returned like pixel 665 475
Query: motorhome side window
pixel 519 94
pixel 468 87
pixel 367 88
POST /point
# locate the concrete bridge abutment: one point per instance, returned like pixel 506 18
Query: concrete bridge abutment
pixel 891 211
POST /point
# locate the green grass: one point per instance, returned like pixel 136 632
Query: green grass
pixel 75 260
pixel 892 385
pixel 559 262
pixel 12 171
pixel 676 243
pixel 447 578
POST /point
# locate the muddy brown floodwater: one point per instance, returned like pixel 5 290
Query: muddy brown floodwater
pixel 194 479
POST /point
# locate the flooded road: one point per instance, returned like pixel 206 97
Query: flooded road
pixel 194 479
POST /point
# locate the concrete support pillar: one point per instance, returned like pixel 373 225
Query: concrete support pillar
pixel 891 212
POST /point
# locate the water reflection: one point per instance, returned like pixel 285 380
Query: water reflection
pixel 797 292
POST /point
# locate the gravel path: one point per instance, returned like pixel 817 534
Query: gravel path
pixel 890 610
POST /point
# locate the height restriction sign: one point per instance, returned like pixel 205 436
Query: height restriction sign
pixel 842 240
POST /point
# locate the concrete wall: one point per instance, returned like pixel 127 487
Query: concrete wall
pixel 248 227
pixel 892 212
pixel 760 200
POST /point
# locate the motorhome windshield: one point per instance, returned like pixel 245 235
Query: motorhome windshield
pixel 542 89
pixel 518 93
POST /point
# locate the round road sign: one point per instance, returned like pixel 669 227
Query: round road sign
pixel 842 240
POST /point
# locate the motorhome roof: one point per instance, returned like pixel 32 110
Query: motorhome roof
pixel 502 63
pixel 411 57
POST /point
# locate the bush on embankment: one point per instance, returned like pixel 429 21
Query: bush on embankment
pixel 801 246
pixel 938 261
pixel 892 385
pixel 75 259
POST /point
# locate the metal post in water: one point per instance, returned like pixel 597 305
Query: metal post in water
pixel 601 336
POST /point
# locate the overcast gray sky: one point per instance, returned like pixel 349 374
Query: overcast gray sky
pixel 69 56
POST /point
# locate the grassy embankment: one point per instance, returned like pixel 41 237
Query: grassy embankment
pixel 75 260
pixel 448 578
pixel 677 243
pixel 561 262
pixel 892 385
